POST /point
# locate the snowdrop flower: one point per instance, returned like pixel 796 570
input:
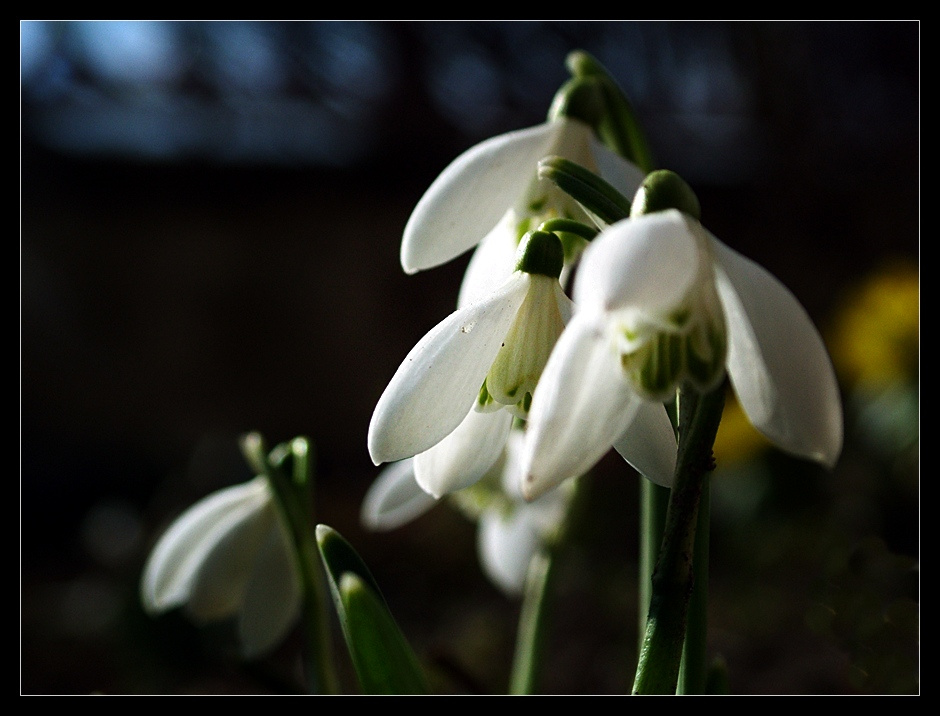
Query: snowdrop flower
pixel 491 195
pixel 661 301
pixel 452 400
pixel 510 530
pixel 228 556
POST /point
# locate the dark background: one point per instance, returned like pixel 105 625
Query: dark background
pixel 209 233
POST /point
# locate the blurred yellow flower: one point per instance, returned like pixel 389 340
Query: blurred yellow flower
pixel 876 339
pixel 737 440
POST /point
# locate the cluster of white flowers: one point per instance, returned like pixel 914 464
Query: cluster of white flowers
pixel 658 301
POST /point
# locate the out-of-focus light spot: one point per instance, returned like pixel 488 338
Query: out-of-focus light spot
pixel 245 57
pixel 128 52
pixel 358 60
pixel 466 86
pixel 737 440
pixel 87 607
pixel 112 532
pixel 876 340
pixel 35 46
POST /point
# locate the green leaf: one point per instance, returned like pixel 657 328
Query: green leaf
pixel 384 661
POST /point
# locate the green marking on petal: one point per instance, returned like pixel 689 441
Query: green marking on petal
pixel 518 364
pixel 706 351
pixel 680 317
pixel 485 402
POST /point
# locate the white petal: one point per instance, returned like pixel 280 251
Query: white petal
pixel 218 586
pixel 464 456
pixel 272 596
pixel 506 545
pixel 395 498
pixel 180 552
pixel 428 396
pixel 491 264
pixel 648 263
pixel 777 361
pixel 582 404
pixel 649 444
pixel 472 194
pixel 511 479
pixel 624 176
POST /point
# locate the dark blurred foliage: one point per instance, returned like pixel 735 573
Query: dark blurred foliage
pixel 210 221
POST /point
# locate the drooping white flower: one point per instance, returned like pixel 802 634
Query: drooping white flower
pixel 491 195
pixel 509 530
pixel 660 301
pixel 452 400
pixel 228 556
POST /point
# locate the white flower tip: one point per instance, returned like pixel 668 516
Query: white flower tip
pixel 828 461
pixel 376 445
pixel 407 263
pixel 533 487
pixel 323 531
pixel 154 602
pixel 394 499
pixel 829 455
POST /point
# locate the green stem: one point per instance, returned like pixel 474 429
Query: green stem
pixel 663 642
pixel 693 672
pixel 294 499
pixel 654 500
pixel 533 620
pixel 534 616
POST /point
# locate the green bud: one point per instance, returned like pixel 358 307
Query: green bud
pixel 663 190
pixel 541 252
pixel 615 123
pixel 595 195
pixel 583 64
pixel 579 98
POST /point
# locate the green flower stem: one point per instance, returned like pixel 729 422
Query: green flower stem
pixel 672 581
pixel 533 620
pixel 693 673
pixel 654 501
pixel 294 499
pixel 534 616
pixel 569 226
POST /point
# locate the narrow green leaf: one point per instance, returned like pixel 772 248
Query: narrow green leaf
pixel 383 658
pixel 384 661
pixel 339 557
